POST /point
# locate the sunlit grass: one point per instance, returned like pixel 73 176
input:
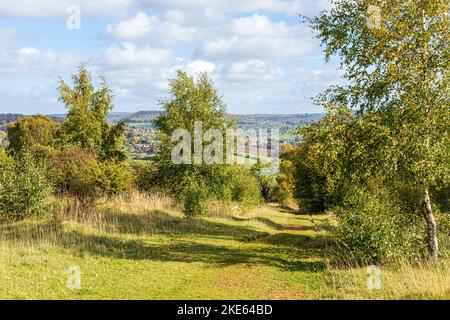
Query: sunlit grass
pixel 141 247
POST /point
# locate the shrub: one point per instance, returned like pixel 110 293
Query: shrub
pixel 443 223
pixel 284 194
pixel 76 172
pixel 79 173
pixel 4 158
pixel 441 196
pixel 245 190
pixel 195 199
pixel 373 228
pixel 116 178
pixel 30 131
pixel 24 190
pixel 145 176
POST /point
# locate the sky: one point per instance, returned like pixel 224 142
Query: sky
pixel 259 54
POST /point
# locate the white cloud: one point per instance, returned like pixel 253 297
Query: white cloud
pixel 29 60
pixel 290 7
pixel 198 66
pixel 257 37
pixel 252 54
pixel 31 100
pixel 253 70
pixel 175 16
pixel 254 48
pixel 259 25
pixel 58 8
pixel 152 28
pixel 128 55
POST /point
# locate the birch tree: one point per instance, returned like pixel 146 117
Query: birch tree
pixel 396 57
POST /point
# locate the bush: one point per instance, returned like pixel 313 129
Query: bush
pixel 443 223
pixel 373 228
pixel 116 178
pixel 224 184
pixel 30 131
pixel 245 189
pixel 79 173
pixel 441 196
pixel 24 190
pixel 76 172
pixel 145 176
pixel 195 199
pixel 284 194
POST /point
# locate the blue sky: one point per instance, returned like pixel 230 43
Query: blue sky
pixel 262 59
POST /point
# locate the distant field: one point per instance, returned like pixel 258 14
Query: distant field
pixel 144 125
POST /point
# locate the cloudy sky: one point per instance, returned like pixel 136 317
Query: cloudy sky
pixel 261 57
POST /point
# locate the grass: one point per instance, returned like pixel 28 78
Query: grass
pixel 143 248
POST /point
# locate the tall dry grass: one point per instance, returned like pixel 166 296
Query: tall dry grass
pixel 105 216
pixel 403 280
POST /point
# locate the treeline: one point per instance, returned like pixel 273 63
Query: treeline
pixel 83 158
pixel 80 157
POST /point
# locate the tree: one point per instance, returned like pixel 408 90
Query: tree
pixel 24 189
pixel 86 124
pixel 31 131
pixel 396 58
pixel 196 107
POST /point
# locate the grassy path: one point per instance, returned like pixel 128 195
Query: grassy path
pixel 268 254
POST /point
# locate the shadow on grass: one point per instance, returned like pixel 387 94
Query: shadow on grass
pixel 161 223
pixel 265 221
pixel 283 250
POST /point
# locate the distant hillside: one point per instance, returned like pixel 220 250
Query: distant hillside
pixel 6 118
pixel 285 123
pixel 142 116
pixel 269 119
pixel 275 120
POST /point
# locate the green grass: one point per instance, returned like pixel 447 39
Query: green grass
pixel 160 255
pixel 147 250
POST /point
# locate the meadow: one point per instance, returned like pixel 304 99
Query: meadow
pixel 142 247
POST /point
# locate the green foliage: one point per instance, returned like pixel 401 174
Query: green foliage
pixel 318 167
pixel 24 190
pixel 441 196
pixel 75 172
pixel 195 198
pixel 284 192
pixel 398 76
pixel 145 176
pixel 196 183
pixel 268 184
pixel 31 131
pixel 245 189
pixel 4 158
pixel 374 228
pixel 116 178
pixel 86 124
pixel 78 173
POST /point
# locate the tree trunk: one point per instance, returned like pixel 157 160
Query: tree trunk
pixel 431 226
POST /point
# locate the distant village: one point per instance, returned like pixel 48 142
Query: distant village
pixel 141 138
